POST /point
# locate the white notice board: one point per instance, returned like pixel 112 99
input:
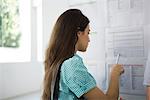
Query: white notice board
pixel 130 43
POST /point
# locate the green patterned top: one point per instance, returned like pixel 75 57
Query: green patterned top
pixel 75 80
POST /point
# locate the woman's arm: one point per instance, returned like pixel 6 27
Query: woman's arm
pixel 113 90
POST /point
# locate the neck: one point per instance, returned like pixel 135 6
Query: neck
pixel 76 48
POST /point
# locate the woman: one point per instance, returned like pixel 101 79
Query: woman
pixel 71 34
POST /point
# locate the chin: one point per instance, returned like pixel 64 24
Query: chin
pixel 83 50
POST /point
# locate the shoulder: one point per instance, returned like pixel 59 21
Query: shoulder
pixel 73 65
pixel 75 60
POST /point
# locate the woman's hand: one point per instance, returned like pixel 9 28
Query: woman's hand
pixel 117 69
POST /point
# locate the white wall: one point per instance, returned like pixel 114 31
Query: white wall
pixel 51 11
pixel 1 81
pixel 20 78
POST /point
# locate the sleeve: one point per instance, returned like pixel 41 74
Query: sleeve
pixel 77 78
pixel 146 74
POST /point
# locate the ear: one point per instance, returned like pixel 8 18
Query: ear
pixel 79 33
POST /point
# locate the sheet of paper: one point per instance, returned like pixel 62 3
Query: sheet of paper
pixel 123 13
pixel 127 42
pixel 131 81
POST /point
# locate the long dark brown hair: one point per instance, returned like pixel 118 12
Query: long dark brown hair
pixel 62 45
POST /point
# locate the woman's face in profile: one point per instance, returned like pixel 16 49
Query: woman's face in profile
pixel 83 39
